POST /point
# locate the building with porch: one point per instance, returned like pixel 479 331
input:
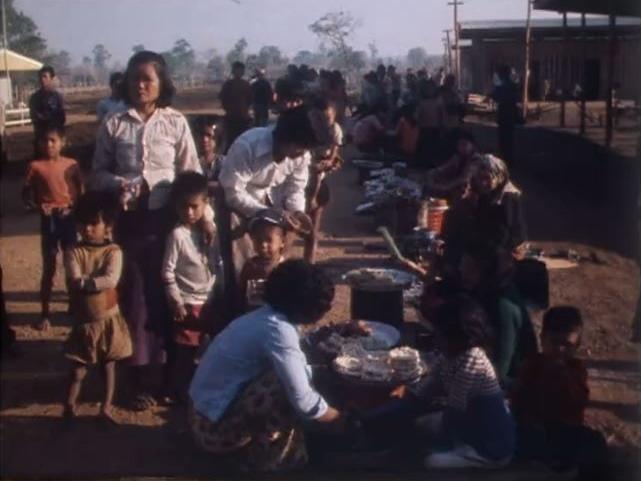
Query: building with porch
pixel 561 58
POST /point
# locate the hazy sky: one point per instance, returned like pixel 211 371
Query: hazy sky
pixel 394 25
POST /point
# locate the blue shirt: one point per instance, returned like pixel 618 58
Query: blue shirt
pixel 249 346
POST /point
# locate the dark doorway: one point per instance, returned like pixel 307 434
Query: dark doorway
pixel 535 81
pixel 592 73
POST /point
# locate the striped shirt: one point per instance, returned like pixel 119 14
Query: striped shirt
pixel 467 376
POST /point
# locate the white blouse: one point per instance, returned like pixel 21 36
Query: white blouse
pixel 127 147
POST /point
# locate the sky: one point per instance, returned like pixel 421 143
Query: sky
pixel 394 26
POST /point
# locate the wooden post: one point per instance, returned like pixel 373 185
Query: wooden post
pixel 584 48
pixel 526 69
pixel 609 97
pixel 455 4
pixel 564 68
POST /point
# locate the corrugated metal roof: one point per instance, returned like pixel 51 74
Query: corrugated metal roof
pixel 602 7
pixel 573 22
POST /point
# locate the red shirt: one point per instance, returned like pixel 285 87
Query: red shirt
pixel 55 183
pixel 549 393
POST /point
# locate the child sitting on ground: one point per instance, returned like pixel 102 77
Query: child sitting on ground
pixel 100 334
pixel 474 428
pixel 550 398
pixel 189 273
pixel 52 186
pixel 268 236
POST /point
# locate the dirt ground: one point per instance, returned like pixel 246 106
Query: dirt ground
pixel 576 196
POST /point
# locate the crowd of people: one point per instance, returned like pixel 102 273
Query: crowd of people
pixel 178 258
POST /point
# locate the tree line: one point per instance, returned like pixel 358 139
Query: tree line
pixel 334 31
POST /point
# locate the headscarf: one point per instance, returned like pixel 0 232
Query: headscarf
pixel 500 176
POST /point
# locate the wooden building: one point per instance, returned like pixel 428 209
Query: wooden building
pixel 561 58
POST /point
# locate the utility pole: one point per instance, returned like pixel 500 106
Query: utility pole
pixel 449 50
pixel 526 70
pixel 5 45
pixel 455 4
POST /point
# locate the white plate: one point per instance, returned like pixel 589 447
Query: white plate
pixel 387 334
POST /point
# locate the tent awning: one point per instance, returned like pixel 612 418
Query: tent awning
pixel 16 62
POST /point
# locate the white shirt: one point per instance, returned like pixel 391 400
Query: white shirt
pixel 127 147
pixel 189 267
pixel 249 175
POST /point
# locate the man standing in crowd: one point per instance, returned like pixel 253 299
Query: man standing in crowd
pixel 262 96
pixel 236 98
pixel 46 106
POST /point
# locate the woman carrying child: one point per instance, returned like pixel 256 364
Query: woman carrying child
pixel 138 154
pixel 99 334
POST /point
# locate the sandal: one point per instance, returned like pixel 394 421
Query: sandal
pixel 143 402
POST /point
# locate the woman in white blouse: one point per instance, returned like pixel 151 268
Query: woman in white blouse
pixel 139 152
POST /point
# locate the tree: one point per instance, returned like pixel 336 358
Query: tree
pixel 181 60
pixel 61 61
pixel 22 33
pixel 237 53
pixel 373 53
pixel 100 58
pixel 139 47
pixel 216 67
pixel 417 57
pixel 304 57
pixel 336 28
pixel 270 55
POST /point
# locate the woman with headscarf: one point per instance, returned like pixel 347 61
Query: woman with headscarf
pixel 489 213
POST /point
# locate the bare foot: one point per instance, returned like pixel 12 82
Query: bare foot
pixel 43 325
pixel 107 415
pixel 69 413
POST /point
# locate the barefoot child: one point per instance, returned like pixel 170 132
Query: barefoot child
pixel 52 186
pixel 189 273
pixel 100 334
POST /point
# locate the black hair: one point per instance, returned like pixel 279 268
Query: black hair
pixel 237 64
pixel 115 78
pixel 301 291
pixel 562 320
pixel 188 184
pixel 167 89
pixel 462 322
pixel 47 69
pixel 204 122
pixel 293 127
pixel 258 225
pixel 52 128
pixel 287 89
pixel 94 205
